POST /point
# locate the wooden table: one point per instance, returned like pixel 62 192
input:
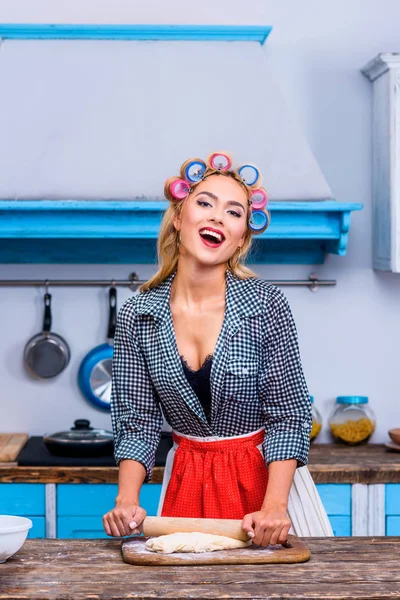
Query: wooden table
pixel 339 568
pixel 329 463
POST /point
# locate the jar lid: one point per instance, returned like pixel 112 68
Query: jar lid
pixel 311 399
pixel 352 399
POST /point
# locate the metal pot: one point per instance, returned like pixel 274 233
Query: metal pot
pixel 80 440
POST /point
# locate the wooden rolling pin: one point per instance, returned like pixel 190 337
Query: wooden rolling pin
pixel 155 526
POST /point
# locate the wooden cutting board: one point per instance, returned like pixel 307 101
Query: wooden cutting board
pixel 135 552
pixel 11 445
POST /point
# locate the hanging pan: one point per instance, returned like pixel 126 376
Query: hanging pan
pixel 46 354
pixel 94 377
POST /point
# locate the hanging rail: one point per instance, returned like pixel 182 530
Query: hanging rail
pixel 313 283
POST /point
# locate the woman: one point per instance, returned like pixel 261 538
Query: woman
pixel 214 349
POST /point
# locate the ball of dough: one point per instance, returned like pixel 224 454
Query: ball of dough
pixel 193 542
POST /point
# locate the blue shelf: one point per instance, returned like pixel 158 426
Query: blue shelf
pixel 73 231
pixel 201 33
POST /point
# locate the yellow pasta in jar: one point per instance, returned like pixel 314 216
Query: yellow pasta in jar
pixel 316 428
pixel 353 432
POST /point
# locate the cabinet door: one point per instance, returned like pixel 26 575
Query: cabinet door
pixel 341 525
pixel 392 508
pixel 80 507
pixel 85 499
pixel 384 72
pixel 25 500
pixel 336 498
pixel 80 527
pixel 98 498
pixel 393 525
pixel 22 499
pixel 392 499
pixel 38 529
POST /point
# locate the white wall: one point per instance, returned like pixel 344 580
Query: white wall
pixel 348 334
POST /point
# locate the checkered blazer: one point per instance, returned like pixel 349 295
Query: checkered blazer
pixel 256 376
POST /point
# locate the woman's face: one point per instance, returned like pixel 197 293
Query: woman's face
pixel 213 221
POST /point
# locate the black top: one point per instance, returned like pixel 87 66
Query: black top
pixel 200 383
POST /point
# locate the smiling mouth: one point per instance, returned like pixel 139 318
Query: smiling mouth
pixel 211 238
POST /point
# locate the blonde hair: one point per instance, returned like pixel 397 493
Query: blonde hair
pixel 169 238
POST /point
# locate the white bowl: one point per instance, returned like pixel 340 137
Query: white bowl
pixel 13 532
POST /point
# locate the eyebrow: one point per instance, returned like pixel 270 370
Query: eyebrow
pixel 214 197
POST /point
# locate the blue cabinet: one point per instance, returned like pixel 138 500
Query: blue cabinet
pixel 25 500
pixel 336 498
pixel 392 508
pixel 80 507
pixel 80 527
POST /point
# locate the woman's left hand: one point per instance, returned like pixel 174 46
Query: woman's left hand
pixel 268 526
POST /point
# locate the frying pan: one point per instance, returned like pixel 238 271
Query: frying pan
pixel 46 354
pixel 94 377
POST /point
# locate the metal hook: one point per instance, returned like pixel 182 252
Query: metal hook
pixel 132 279
pixel 46 283
pixel 313 279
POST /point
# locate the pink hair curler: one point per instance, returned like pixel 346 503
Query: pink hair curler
pixel 259 199
pixel 220 161
pixel 179 189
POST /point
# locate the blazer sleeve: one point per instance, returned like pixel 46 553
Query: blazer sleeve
pixel 283 389
pixel 135 413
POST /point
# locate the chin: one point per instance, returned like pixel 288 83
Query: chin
pixel 210 261
pixel 213 262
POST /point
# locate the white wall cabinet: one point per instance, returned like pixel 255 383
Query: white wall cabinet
pixel 384 73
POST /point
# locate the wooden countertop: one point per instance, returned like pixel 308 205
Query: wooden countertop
pixel 329 463
pixel 339 568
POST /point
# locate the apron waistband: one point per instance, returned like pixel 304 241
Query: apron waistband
pixel 222 444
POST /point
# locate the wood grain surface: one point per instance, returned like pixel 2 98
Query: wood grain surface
pixel 363 568
pixel 11 445
pixel 135 552
pixel 156 526
pixel 329 463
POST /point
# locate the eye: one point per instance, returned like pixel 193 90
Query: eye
pixel 235 213
pixel 203 203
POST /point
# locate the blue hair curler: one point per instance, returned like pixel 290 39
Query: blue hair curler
pixel 249 173
pixel 258 220
pixel 195 170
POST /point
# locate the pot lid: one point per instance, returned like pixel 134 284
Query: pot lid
pixel 81 432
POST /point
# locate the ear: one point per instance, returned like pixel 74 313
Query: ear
pixel 177 223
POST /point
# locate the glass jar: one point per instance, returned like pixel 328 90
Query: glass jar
pixel 352 420
pixel 316 421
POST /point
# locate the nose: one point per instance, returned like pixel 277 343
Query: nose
pixel 216 218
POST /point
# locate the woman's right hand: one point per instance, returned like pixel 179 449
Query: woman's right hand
pixel 124 519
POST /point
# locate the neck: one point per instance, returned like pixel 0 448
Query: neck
pixel 198 285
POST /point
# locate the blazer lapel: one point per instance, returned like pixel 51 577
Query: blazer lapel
pixel 241 301
pixel 158 305
pixel 169 351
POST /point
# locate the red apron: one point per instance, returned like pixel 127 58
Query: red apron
pixel 223 479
